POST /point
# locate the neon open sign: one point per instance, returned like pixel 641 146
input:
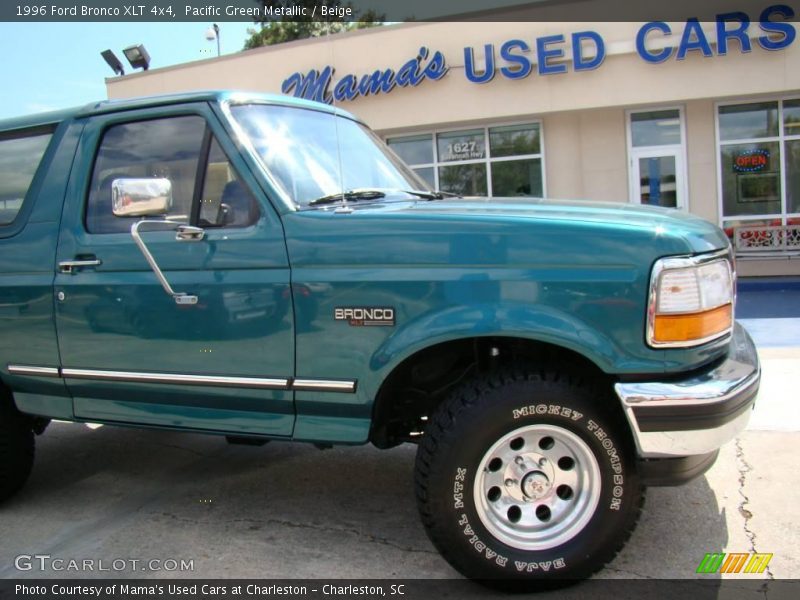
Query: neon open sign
pixel 751 161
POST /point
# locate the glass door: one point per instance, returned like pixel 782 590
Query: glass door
pixel 657 179
pixel 657 156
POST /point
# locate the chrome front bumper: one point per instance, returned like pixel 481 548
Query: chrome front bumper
pixel 697 415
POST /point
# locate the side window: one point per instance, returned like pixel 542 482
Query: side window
pixel 19 159
pixel 167 148
pixel 225 201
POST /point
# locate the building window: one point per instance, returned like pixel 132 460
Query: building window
pixel 657 157
pixel 759 158
pixel 497 161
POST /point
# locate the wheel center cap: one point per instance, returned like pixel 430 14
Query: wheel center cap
pixel 535 485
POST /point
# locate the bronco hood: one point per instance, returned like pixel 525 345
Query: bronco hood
pixel 480 232
pixel 699 234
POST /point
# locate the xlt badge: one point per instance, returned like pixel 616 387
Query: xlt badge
pixel 365 316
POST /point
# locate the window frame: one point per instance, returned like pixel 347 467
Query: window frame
pixel 53 130
pixel 487 160
pixel 651 151
pixel 780 140
pixel 204 153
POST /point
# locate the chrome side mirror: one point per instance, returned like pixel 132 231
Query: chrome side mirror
pixel 145 197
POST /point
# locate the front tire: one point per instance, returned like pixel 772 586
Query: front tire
pixel 523 478
pixel 16 451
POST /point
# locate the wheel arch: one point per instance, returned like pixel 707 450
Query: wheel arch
pixel 419 381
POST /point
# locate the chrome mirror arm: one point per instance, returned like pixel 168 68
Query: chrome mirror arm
pixel 184 233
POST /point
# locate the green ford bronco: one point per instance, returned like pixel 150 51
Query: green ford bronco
pixel 263 267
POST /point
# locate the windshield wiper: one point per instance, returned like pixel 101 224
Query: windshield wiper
pixel 431 195
pixel 374 194
pixel 355 195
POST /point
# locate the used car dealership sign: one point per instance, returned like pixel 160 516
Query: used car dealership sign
pixel 513 60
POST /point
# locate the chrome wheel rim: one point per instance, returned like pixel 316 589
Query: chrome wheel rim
pixel 537 487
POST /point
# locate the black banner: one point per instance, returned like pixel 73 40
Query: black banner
pixel 383 10
pixel 400 589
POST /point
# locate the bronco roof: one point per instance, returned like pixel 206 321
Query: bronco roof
pixel 106 106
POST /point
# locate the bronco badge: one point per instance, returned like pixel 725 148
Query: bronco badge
pixel 365 316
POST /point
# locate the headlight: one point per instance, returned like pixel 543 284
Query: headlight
pixel 691 301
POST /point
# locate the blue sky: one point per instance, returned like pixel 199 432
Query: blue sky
pixel 47 66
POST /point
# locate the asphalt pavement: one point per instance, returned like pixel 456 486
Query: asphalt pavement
pixel 291 510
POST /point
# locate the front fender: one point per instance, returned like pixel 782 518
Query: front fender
pixel 538 323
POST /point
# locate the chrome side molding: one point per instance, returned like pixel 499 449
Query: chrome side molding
pixel 323 385
pixel 31 370
pixel 176 378
pixel 269 383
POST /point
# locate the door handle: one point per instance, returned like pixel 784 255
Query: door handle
pixel 189 233
pixel 69 266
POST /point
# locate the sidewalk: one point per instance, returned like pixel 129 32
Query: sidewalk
pixel 769 308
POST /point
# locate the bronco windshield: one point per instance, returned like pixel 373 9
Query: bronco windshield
pixel 313 154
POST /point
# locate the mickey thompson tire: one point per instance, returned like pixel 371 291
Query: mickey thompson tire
pixel 16 451
pixel 524 479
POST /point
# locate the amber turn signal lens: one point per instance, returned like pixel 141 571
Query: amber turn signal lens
pixel 692 326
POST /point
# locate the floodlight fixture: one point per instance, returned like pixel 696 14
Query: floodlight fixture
pixel 137 56
pixel 212 33
pixel 113 62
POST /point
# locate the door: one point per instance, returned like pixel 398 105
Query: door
pixel 131 352
pixel 657 155
pixel 657 178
